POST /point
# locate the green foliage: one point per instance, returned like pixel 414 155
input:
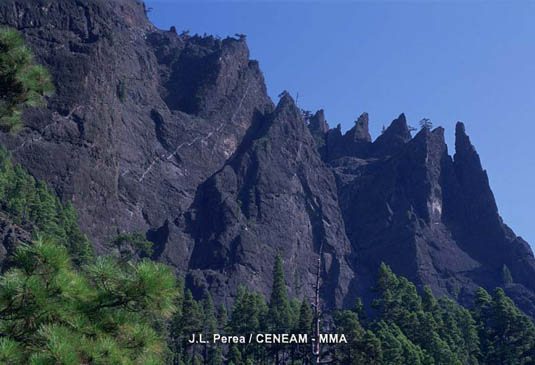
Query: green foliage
pixel 507 336
pixel 212 351
pixel 409 328
pixel 235 356
pixel 30 203
pixel 222 317
pixel 279 305
pixel 363 346
pixel 426 124
pixel 280 311
pixel 306 316
pixel 249 315
pixel 427 330
pixel 105 313
pixel 132 245
pixel 23 83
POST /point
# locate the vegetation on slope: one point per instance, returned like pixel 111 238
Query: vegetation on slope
pixel 30 204
pixel 407 328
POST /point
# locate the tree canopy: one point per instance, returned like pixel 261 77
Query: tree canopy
pixel 104 313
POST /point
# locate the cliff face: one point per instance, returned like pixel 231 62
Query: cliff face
pixel 175 135
pixel 273 196
pixel 432 218
pixel 140 118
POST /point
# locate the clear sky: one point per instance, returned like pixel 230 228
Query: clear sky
pixel 472 61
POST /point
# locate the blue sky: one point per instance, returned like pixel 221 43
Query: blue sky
pixel 472 61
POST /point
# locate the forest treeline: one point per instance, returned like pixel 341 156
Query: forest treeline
pixel 407 327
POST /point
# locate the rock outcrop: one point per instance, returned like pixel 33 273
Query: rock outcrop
pixel 175 135
pixel 274 196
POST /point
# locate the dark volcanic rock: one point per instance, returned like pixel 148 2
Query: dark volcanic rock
pixel 356 142
pixel 140 117
pixel 318 125
pixel 175 135
pixel 11 235
pixel 274 196
pixel 433 219
pixel 359 132
pixel 393 138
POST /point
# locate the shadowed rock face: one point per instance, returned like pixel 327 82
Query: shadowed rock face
pixel 274 195
pixel 432 218
pixel 176 136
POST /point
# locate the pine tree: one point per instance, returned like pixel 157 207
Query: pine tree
pixel 107 312
pixel 426 124
pixel 174 333
pixel 280 313
pixel 429 303
pixel 305 318
pixel 347 322
pixel 459 327
pixel 234 355
pixel 212 353
pixel 279 305
pixel 509 336
pixel 304 326
pixel 190 323
pixel 397 349
pixel 132 246
pixel 197 360
pixel 222 317
pixel 359 309
pixel 23 83
pixel 32 205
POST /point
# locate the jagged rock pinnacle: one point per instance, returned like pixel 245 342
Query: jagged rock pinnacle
pixel 360 131
pixel 318 124
pixel 395 136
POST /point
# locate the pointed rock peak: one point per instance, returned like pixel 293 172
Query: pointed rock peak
pixel 459 128
pixel 363 119
pixel 399 127
pixel 286 101
pixel 433 139
pixel 319 115
pixel 462 141
pixel 395 136
pixel 287 113
pixel 287 106
pixel 465 153
pixel 318 124
pixel 360 131
pixel 438 131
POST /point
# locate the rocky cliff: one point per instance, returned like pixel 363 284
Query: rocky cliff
pixel 175 135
